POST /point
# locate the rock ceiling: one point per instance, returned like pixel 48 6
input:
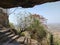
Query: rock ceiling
pixel 22 3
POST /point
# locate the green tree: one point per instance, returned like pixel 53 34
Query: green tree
pixel 36 29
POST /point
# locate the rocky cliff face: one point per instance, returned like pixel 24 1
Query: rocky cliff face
pixel 4 19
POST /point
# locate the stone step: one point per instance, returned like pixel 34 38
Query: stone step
pixel 21 40
pixel 5 30
pixel 11 35
pixel 4 35
pixel 13 38
pixel 6 38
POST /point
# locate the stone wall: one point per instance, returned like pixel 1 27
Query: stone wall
pixel 4 19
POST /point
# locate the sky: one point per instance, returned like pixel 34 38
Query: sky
pixel 50 11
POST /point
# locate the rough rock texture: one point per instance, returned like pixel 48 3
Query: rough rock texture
pixel 23 3
pixel 4 19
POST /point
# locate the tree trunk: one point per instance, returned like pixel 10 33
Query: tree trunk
pixel 51 40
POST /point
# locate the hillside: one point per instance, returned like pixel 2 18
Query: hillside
pixel 54 28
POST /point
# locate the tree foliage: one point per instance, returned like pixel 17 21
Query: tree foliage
pixel 36 29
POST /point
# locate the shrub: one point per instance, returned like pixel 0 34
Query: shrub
pixel 37 31
pixel 12 25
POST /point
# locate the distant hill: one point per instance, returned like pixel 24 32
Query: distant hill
pixel 54 27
